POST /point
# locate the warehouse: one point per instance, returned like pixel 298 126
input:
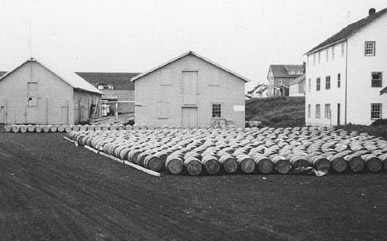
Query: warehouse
pixel 190 90
pixel 35 94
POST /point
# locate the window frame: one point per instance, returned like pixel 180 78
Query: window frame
pixel 373 80
pixel 339 80
pixel 328 111
pixel 318 111
pixel 214 109
pixel 328 82
pixel 309 111
pixel 367 48
pixel 318 84
pixel 379 111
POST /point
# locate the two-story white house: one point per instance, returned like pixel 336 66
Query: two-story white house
pixel 279 77
pixel 344 74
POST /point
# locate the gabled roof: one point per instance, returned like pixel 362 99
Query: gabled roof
pixel 70 78
pixel 259 88
pixel 281 71
pixel 120 81
pixel 2 73
pixel 348 31
pixel 184 55
pixel 300 79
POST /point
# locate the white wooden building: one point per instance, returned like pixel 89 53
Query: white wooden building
pixel 35 94
pixel 344 74
pixel 189 90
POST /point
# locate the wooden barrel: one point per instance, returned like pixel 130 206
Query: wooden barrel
pixel 54 128
pixel 245 162
pixel 123 155
pixel 31 128
pixel 338 163
pixel 298 161
pixel 229 163
pixel 7 128
pixel 132 156
pixel 23 129
pixel 15 128
pixel 193 166
pixel 68 128
pixel 383 159
pixel 118 150
pixel 320 163
pixel 174 164
pixel 128 127
pixel 46 128
pixel 211 164
pixel 372 162
pixel 61 128
pixel 38 128
pixel 264 164
pixel 281 164
pixel 153 162
pixel 355 162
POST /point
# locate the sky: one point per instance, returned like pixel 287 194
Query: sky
pixel 245 36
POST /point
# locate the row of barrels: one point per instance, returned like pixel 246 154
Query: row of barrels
pixel 61 128
pixel 250 150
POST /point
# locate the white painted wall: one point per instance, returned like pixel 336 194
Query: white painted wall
pixel 149 92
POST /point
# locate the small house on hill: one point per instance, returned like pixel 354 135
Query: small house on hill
pixel 190 90
pixel 297 86
pixel 115 88
pixel 280 76
pixel 35 94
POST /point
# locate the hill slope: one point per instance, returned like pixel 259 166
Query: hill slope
pixel 277 112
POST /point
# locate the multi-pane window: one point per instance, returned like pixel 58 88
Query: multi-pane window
pixel 369 48
pixel 327 54
pixel 327 82
pixel 318 111
pixel 338 80
pixel 376 79
pixel 327 111
pixel 309 111
pixel 376 111
pixel 309 84
pixel 314 59
pixel 333 52
pixel 216 110
pixel 342 50
pixel 318 83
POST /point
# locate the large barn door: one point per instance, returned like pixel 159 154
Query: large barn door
pixel 3 109
pixel 189 117
pixel 190 87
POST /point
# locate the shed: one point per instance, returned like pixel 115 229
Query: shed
pixel 190 90
pixel 35 94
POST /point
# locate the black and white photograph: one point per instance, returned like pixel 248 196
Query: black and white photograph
pixel 193 120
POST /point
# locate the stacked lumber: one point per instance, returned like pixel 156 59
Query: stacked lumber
pixel 250 150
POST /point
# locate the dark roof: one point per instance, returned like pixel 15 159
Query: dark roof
pixel 120 81
pixel 349 30
pixel 300 79
pixel 261 87
pixel 280 71
pixel 2 73
pixel 383 91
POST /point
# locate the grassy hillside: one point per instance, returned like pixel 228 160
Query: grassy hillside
pixel 277 112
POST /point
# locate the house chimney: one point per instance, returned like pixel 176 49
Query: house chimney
pixel 372 11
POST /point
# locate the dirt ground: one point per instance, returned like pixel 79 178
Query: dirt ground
pixel 52 190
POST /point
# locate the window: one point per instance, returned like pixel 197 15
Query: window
pixel 376 111
pixel 369 48
pixel 165 76
pixel 104 86
pixel 314 59
pixel 216 110
pixel 318 83
pixel 309 84
pixel 318 111
pixel 327 111
pixel 376 79
pixel 327 54
pixel 333 52
pixel 319 57
pixel 342 50
pixel 309 111
pixel 338 80
pixel 327 82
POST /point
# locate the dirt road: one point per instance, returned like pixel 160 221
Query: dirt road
pixel 52 190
